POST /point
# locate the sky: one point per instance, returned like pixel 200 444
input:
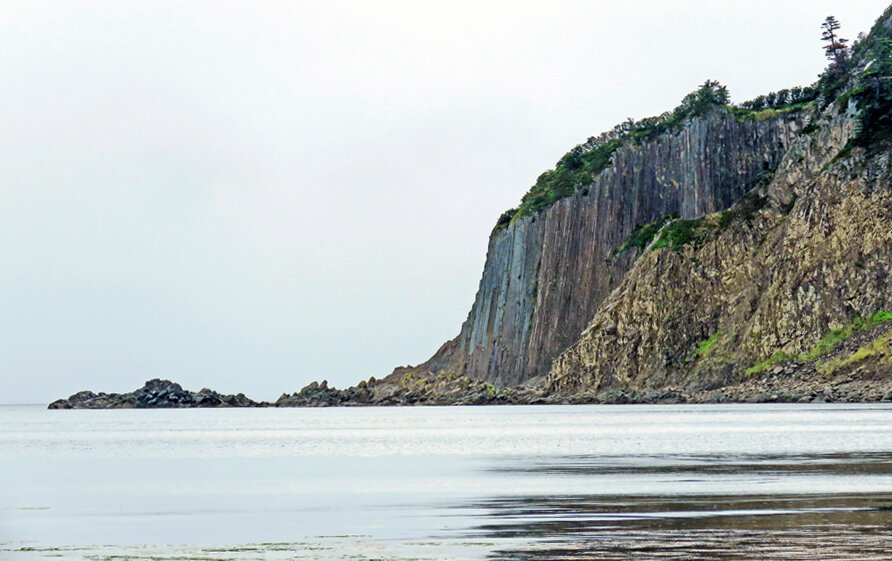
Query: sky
pixel 249 196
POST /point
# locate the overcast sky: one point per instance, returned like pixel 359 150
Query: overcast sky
pixel 252 195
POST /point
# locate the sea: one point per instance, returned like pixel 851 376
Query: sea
pixel 615 482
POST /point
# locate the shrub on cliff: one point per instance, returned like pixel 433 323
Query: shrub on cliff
pixel 579 167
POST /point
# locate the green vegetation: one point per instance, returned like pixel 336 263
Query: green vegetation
pixel 746 208
pixel 763 113
pixel 873 91
pixel 827 344
pixel 776 104
pixel 831 340
pixel 770 112
pixel 878 318
pixel 576 169
pixel 881 348
pixel 643 234
pixel 836 336
pixel 679 233
pixel 505 219
pixel 706 346
pixel 783 101
pixel 411 381
pixel 725 219
pixel 766 365
pixel 830 84
pixel 489 389
pixel 579 167
pixel 834 79
pixel 699 103
pixel 836 49
pixel 865 76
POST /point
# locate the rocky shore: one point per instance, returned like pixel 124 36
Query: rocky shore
pixel 857 368
pixel 785 385
pixel 154 394
pixel 714 254
pixel 406 387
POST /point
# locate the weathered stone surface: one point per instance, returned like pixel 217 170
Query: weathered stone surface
pixel 801 255
pixel 817 256
pixel 546 275
pixel 408 387
pixel 803 251
pixel 154 394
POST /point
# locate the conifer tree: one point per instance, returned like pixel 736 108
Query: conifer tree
pixel 836 48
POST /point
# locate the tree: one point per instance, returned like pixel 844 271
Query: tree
pixel 836 48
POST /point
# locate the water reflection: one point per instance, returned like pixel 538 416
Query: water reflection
pixel 820 524
pixel 726 482
pixel 860 463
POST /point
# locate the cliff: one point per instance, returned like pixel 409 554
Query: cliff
pixel 811 260
pixel 546 274
pixel 640 246
pixel 713 253
pixel 768 289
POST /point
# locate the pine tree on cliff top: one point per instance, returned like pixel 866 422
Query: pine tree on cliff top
pixel 836 48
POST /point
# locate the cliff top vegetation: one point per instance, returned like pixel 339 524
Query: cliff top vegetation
pixel 861 73
pixel 579 167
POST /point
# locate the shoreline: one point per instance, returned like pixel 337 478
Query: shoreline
pixel 784 387
pixel 857 369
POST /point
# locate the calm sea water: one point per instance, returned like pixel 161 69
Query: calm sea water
pixel 537 482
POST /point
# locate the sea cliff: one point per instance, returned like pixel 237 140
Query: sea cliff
pixel 547 274
pixel 717 252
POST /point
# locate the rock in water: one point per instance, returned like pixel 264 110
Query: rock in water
pixel 154 394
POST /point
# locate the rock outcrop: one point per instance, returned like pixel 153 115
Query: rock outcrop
pixel 714 253
pixel 411 389
pixel 154 394
pixel 814 258
pixel 782 276
pixel 546 275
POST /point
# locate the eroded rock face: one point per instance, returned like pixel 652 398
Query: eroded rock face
pixel 546 275
pixel 814 256
pixel 319 395
pixel 154 394
pixel 790 241
pixel 407 387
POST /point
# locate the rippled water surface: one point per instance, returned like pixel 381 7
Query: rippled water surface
pixel 757 482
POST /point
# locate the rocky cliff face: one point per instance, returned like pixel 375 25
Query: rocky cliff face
pixel 547 274
pixel 775 285
pixel 726 254
pixel 802 258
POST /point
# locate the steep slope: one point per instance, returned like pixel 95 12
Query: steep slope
pixel 547 273
pixel 712 253
pixel 775 282
pixel 745 248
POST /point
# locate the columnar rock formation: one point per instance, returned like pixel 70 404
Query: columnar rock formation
pixel 547 274
pixel 714 253
pixel 814 257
